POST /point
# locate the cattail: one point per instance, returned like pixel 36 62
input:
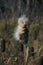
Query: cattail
pixel 3 45
pixel 21 32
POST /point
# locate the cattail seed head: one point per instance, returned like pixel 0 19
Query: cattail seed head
pixel 20 31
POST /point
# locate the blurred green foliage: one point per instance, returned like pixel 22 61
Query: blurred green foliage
pixel 12 47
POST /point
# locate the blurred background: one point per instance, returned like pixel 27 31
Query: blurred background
pixel 10 11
